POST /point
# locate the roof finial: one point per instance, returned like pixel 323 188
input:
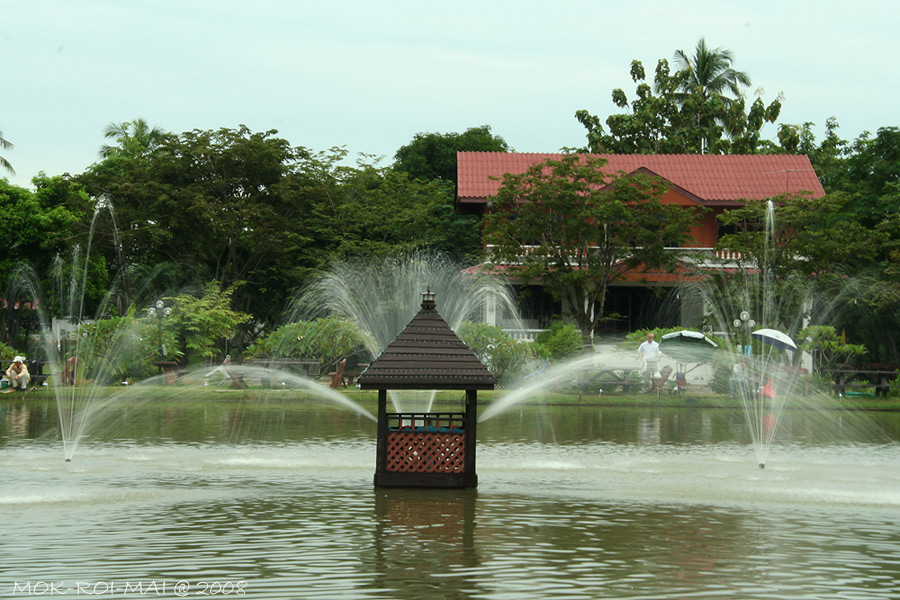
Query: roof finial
pixel 428 299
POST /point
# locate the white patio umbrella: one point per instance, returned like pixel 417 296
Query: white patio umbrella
pixel 776 338
pixel 688 346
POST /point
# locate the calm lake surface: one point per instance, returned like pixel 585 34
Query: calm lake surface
pixel 275 499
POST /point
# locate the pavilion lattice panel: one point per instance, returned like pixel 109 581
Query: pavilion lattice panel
pixel 426 452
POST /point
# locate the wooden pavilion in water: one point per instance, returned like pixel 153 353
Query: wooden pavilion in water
pixel 427 449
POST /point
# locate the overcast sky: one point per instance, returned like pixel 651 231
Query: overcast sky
pixel 369 75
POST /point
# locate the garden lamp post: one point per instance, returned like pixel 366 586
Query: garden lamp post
pixel 744 325
pixel 160 311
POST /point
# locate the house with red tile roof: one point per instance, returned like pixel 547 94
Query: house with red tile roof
pixel 716 182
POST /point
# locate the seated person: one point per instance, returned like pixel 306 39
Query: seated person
pixel 18 374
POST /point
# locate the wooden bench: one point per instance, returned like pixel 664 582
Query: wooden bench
pixel 168 369
pixel 237 380
pixel 352 375
pixel 309 368
pixel 848 377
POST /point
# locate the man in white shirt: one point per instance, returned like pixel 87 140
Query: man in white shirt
pixel 650 354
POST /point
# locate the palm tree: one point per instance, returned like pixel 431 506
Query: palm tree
pixel 703 82
pixel 709 73
pixel 6 145
pixel 134 139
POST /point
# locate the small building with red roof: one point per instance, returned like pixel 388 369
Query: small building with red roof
pixel 715 182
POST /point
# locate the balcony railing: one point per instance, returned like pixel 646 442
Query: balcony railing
pixel 526 335
pixel 702 256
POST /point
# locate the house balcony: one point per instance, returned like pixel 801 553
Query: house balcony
pixel 522 335
pixel 700 257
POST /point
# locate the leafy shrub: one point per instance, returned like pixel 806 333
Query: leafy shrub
pixel 560 341
pixel 203 321
pixel 328 341
pixel 503 355
pixel 120 348
pixel 827 349
pixel 7 353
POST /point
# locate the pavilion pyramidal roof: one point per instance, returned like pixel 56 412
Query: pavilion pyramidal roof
pixel 427 355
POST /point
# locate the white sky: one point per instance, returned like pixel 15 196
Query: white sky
pixel 370 74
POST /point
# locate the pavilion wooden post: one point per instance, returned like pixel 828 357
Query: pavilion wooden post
pixel 381 448
pixel 471 421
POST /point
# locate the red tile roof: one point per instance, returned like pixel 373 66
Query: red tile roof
pixel 712 178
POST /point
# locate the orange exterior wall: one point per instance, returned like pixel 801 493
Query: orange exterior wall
pixel 706 233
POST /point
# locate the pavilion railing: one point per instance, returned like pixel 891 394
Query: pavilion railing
pixel 427 422
pixel 426 443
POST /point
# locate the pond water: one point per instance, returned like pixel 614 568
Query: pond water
pixel 275 499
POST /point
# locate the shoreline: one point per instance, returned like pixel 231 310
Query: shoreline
pixel 701 399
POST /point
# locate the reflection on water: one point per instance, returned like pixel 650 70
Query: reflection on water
pixel 572 503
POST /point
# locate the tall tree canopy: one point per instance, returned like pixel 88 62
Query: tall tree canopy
pixel 865 175
pixel 37 226
pixel 223 201
pixel 133 138
pixel 432 156
pixel 688 111
pixel 821 260
pixel 5 145
pixel 239 206
pixel 708 73
pixel 575 229
pixel 867 169
pixel 811 228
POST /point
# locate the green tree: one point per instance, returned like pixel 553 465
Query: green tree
pixel 33 227
pixel 683 112
pixel 205 321
pixel 134 139
pixel 432 156
pixel 867 169
pixel 809 236
pixel 117 349
pixel 828 158
pixel 560 341
pixel 384 211
pixel 827 348
pixel 227 203
pixel 855 230
pixel 873 174
pixel 575 229
pixel 234 205
pixel 5 145
pixel 809 262
pixel 327 340
pixel 503 355
pixel 37 227
pixel 708 73
pixel 704 80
